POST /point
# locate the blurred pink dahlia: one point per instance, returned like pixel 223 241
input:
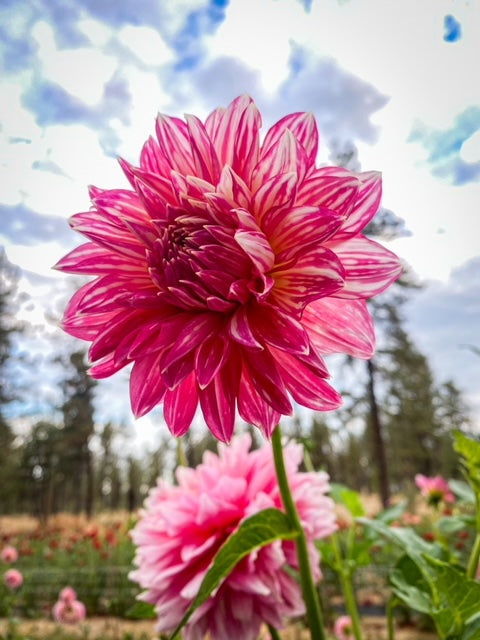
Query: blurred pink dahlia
pixel 69 611
pixel 343 628
pixel 13 579
pixel 182 528
pixel 9 554
pixel 435 489
pixel 228 270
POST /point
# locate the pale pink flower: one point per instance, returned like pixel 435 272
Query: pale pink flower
pixel 228 270
pixel 9 554
pixel 343 628
pixel 67 594
pixel 435 489
pixel 69 611
pixel 13 579
pixel 182 528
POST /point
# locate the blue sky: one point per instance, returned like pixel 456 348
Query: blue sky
pixel 82 81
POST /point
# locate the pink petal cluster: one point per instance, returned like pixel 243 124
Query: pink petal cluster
pixel 228 270
pixel 9 554
pixel 342 628
pixel 13 579
pixel 68 609
pixel 434 488
pixel 183 526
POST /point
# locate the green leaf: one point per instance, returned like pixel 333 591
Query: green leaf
pixel 409 585
pixel 462 490
pixel 392 513
pixel 472 630
pixel 459 599
pixel 257 531
pixel 469 449
pixel 349 498
pixel 141 611
pixel 453 524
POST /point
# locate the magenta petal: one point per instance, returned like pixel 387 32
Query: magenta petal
pixel 218 403
pixel 277 192
pixel 366 204
pixel 147 388
pixel 191 333
pixel 279 329
pixel 234 189
pixel 94 259
pixel 282 157
pixel 209 358
pixel 241 330
pixel 369 267
pixel 254 409
pixel 303 127
pixel 340 326
pixel 257 248
pixel 336 192
pixel 174 142
pixel 113 332
pixel 106 367
pixel 205 158
pixel 267 380
pixel 307 388
pixel 180 406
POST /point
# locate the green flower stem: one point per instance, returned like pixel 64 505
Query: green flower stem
pixel 390 619
pixel 181 457
pixel 273 633
pixel 312 603
pixel 474 558
pixel 346 579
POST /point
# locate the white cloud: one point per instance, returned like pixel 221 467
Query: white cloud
pixel 146 44
pixel 81 72
pixel 470 151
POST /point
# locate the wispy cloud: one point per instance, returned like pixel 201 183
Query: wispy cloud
pixel 444 147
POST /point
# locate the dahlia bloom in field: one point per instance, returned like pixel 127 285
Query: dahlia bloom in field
pixel 9 554
pixel 182 528
pixel 69 611
pixel 228 270
pixel 13 579
pixel 435 489
pixel 342 628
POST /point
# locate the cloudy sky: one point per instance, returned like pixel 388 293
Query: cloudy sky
pixel 82 81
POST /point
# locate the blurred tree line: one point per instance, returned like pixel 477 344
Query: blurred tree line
pixel 396 422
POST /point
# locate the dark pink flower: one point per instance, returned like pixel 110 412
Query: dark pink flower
pixel 228 270
pixel 183 526
pixel 67 594
pixel 13 579
pixel 435 489
pixel 9 554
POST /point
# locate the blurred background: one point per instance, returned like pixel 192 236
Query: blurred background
pixel 391 85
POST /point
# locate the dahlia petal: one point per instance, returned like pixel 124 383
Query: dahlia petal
pixel 147 388
pixel 315 274
pixel 336 192
pixel 180 406
pixel 289 232
pixel 279 329
pixel 94 259
pixel 303 127
pixel 257 248
pixel 267 380
pixel 191 333
pixel 151 158
pixel 241 331
pixel 279 191
pixel 253 408
pixel 306 387
pixel 174 141
pixel 106 341
pixel 210 356
pixel 282 157
pixel 218 404
pixel 340 326
pixel 203 151
pixel 119 205
pixel 234 189
pixel 369 267
pixel 119 239
pixel 154 204
pixel 366 204
pixel 159 185
pixel 109 292
pixel 106 367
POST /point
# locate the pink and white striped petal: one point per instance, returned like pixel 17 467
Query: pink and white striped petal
pixel 218 400
pixel 204 155
pixel 369 267
pixel 253 408
pixel 180 406
pixel 340 326
pixel 303 126
pixel 174 141
pixel 147 388
pixel 366 204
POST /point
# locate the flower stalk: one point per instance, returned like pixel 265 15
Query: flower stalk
pixel 345 574
pixel 474 558
pixel 312 603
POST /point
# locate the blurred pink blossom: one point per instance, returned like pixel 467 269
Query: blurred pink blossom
pixel 343 628
pixel 9 554
pixel 67 594
pixel 13 579
pixel 183 526
pixel 69 611
pixel 228 270
pixel 435 489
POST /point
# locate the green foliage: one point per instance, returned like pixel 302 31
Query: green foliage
pixel 259 530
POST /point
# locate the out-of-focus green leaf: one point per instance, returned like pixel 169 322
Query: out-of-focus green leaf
pixel 141 611
pixel 469 449
pixel 349 498
pixel 410 586
pixel 259 530
pixel 392 513
pixel 462 490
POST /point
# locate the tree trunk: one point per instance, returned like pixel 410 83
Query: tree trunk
pixel 378 441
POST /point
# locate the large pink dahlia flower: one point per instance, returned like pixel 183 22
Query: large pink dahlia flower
pixel 228 270
pixel 182 528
